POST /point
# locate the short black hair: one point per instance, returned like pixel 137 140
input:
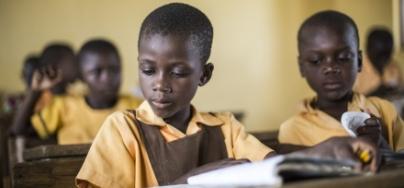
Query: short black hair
pixel 54 53
pixel 181 20
pixel 99 46
pixel 331 19
pixel 379 47
pixel 31 64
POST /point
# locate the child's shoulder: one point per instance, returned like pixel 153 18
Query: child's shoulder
pixel 223 116
pixel 120 120
pixel 122 115
pixel 381 104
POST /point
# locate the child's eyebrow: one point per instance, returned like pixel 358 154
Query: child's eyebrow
pixel 146 61
pixel 339 49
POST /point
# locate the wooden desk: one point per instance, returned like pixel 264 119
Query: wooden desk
pixel 50 166
pixel 385 179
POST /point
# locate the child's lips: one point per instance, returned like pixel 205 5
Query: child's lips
pixel 332 85
pixel 161 104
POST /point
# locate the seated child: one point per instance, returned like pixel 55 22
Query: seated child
pixel 57 55
pixel 76 119
pixel 31 64
pixel 381 75
pixel 62 57
pixel 11 102
pixel 167 138
pixel 330 59
pixel 380 48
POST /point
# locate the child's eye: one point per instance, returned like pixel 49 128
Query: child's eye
pixel 179 74
pixel 148 71
pixel 344 57
pixel 96 71
pixel 315 61
pixel 344 60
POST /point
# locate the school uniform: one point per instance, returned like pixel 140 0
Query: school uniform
pixel 136 148
pixel 73 120
pixel 311 126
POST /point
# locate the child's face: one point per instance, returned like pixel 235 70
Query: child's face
pixel 170 71
pixel 69 72
pixel 102 74
pixel 329 60
pixel 68 66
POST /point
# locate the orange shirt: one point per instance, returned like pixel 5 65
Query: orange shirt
pixel 311 126
pixel 118 157
pixel 73 120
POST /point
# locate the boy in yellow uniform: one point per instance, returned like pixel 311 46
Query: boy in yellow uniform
pixel 77 119
pixel 57 55
pixel 330 59
pixel 166 138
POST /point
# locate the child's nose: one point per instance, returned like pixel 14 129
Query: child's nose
pixel 330 66
pixel 162 83
pixel 106 76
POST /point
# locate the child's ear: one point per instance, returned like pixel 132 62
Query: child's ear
pixel 301 70
pixel 207 74
pixel 360 60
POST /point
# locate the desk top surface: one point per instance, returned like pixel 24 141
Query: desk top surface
pixel 56 151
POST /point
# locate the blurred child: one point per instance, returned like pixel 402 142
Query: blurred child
pixel 76 119
pixel 166 138
pixel 381 76
pixel 61 57
pixel 329 60
pixel 11 102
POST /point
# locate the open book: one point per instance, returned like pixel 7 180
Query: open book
pixel 274 171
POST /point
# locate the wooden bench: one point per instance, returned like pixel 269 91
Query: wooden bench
pixel 50 166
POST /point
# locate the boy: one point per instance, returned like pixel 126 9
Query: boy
pixel 329 59
pixel 166 138
pixel 62 57
pixel 76 119
pixel 59 56
pixel 380 75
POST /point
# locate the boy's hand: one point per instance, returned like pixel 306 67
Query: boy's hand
pixel 348 149
pixel 209 167
pixel 371 130
pixel 45 78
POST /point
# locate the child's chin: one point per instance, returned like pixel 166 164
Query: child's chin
pixel 163 113
pixel 333 96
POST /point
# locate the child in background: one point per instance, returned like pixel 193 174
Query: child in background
pixel 11 102
pixel 329 60
pixel 166 139
pixel 76 119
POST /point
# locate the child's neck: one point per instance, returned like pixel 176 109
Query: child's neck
pixel 181 119
pixel 334 108
pixel 96 102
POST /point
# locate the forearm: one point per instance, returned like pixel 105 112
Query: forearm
pixel 24 112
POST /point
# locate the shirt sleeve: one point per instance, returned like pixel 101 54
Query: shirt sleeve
pixel 393 122
pixel 108 162
pixel 47 120
pixel 398 134
pixel 245 145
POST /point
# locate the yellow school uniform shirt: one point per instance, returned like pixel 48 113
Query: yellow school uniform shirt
pixel 73 120
pixel 118 157
pixel 312 126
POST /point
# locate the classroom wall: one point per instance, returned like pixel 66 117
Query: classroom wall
pixel 254 49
